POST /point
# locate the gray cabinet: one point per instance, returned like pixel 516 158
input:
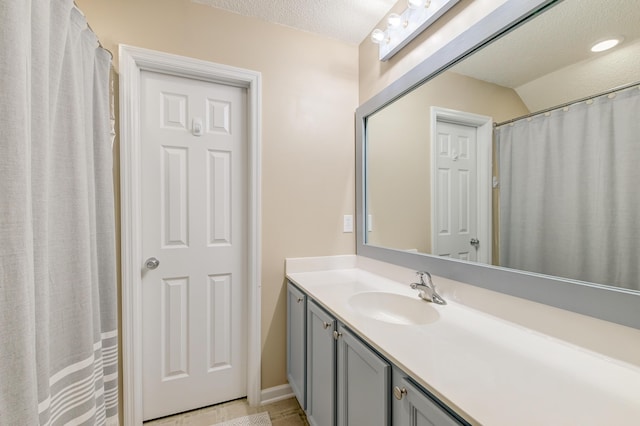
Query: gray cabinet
pixel 413 407
pixel 363 383
pixel 339 380
pixel 296 342
pixel 321 366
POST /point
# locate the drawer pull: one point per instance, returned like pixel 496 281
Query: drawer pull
pixel 399 393
pixel 326 325
pixel 336 334
pixel 300 299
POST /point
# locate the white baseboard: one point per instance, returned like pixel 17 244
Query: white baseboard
pixel 275 394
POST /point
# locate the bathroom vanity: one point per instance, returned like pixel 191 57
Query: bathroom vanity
pixel 338 378
pixel 514 345
pixel 362 348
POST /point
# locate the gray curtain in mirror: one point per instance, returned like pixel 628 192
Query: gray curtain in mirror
pixel 570 191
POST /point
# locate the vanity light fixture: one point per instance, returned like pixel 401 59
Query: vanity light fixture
pixel 404 27
pixel 394 21
pixel 416 4
pixel 601 46
pixel 377 36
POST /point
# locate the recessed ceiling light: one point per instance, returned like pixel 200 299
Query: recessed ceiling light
pixel 605 45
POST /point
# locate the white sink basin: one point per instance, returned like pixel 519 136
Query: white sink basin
pixel 393 308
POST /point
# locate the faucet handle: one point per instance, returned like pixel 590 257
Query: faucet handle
pixel 421 274
pixel 427 289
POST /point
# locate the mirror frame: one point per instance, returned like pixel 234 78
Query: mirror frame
pixel 612 304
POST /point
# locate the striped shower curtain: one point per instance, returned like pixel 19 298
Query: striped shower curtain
pixel 58 317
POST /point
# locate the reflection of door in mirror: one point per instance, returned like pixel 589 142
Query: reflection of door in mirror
pixel 461 149
pixel 398 157
pixel 455 200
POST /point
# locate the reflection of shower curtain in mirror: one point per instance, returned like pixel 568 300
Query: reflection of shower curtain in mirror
pixel 570 191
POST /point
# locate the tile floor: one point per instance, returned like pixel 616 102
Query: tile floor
pixel 283 413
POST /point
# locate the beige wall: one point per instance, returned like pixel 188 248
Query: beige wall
pixel 310 92
pixel 399 157
pixel 311 87
pixel 398 176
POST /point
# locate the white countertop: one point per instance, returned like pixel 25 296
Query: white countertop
pixel 480 359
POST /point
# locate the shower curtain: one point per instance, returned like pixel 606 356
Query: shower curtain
pixel 570 191
pixel 58 318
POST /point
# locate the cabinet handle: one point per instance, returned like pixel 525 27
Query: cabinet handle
pixel 336 335
pixel 399 393
pixel 300 299
pixel 326 324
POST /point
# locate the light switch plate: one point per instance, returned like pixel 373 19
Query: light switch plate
pixel 347 224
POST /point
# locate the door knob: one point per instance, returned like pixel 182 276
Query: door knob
pixel 474 242
pixel 152 263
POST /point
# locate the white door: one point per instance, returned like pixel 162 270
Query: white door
pixel 455 191
pixel 194 222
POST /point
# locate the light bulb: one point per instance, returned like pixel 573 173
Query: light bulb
pixel 394 20
pixel 415 4
pixel 377 36
pixel 605 45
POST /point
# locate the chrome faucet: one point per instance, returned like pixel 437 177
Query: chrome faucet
pixel 427 289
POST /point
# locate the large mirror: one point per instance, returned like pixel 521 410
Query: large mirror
pixel 524 155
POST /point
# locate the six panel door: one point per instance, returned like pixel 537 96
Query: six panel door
pixel 194 216
pixel 455 198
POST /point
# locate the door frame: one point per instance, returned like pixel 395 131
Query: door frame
pixel 484 139
pixel 133 60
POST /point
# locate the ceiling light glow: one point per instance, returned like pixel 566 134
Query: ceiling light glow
pixel 605 45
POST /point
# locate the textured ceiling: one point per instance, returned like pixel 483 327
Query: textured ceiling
pixel 562 36
pixel 528 60
pixel 350 21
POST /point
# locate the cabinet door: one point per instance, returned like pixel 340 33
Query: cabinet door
pixel 363 383
pixel 321 366
pixel 296 342
pixel 416 408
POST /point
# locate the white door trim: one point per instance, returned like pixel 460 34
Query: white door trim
pixel 133 60
pixel 484 126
